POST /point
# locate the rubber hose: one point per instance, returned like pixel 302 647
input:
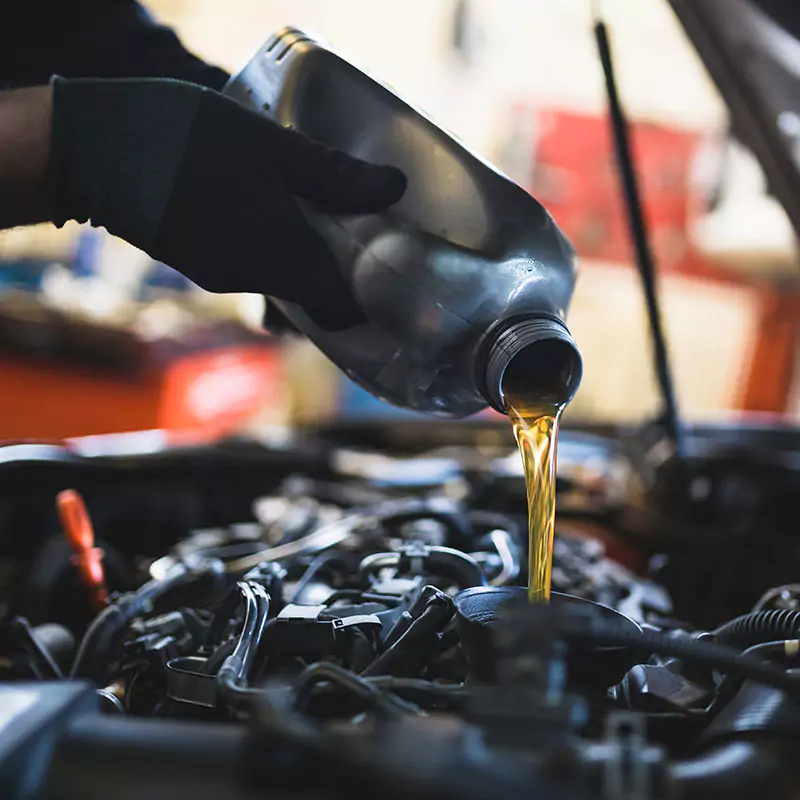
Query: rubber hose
pixel 717 656
pixel 739 769
pixel 99 641
pixel 759 627
pixel 232 675
pixel 108 628
pixel 458 566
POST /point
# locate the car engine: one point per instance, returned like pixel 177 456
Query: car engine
pixel 343 612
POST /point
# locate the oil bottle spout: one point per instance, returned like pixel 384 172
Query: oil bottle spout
pixel 535 355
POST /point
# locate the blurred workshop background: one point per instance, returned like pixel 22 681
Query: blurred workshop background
pixel 95 337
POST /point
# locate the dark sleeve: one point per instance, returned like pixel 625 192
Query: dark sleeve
pixel 785 12
pixel 93 39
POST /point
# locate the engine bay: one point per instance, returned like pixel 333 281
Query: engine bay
pixel 344 611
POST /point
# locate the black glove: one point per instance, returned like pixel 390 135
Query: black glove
pixel 203 184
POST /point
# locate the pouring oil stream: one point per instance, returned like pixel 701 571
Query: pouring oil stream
pixel 535 426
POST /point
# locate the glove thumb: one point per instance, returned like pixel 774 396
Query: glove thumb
pixel 336 181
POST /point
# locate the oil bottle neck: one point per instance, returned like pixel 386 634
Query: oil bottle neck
pixel 535 354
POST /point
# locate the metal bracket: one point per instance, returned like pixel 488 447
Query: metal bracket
pixel 632 764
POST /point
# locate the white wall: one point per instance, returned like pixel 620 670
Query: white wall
pixel 709 328
pixel 540 50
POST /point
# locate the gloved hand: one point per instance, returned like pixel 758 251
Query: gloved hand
pixel 209 187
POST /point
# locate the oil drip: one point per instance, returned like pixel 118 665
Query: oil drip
pixel 535 426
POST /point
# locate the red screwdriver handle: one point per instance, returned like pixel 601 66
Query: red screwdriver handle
pixel 79 533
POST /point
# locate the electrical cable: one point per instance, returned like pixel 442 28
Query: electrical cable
pixel 324 537
pixel 390 600
pixel 310 573
pixel 43 663
pixel 343 678
pixel 510 566
pixel 455 696
pixel 340 530
pixel 780 649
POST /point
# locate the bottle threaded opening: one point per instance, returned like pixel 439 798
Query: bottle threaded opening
pixel 533 355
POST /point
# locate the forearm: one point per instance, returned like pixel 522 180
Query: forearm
pixel 93 39
pixel 25 124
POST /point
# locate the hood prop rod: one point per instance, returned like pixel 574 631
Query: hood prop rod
pixel 638 230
